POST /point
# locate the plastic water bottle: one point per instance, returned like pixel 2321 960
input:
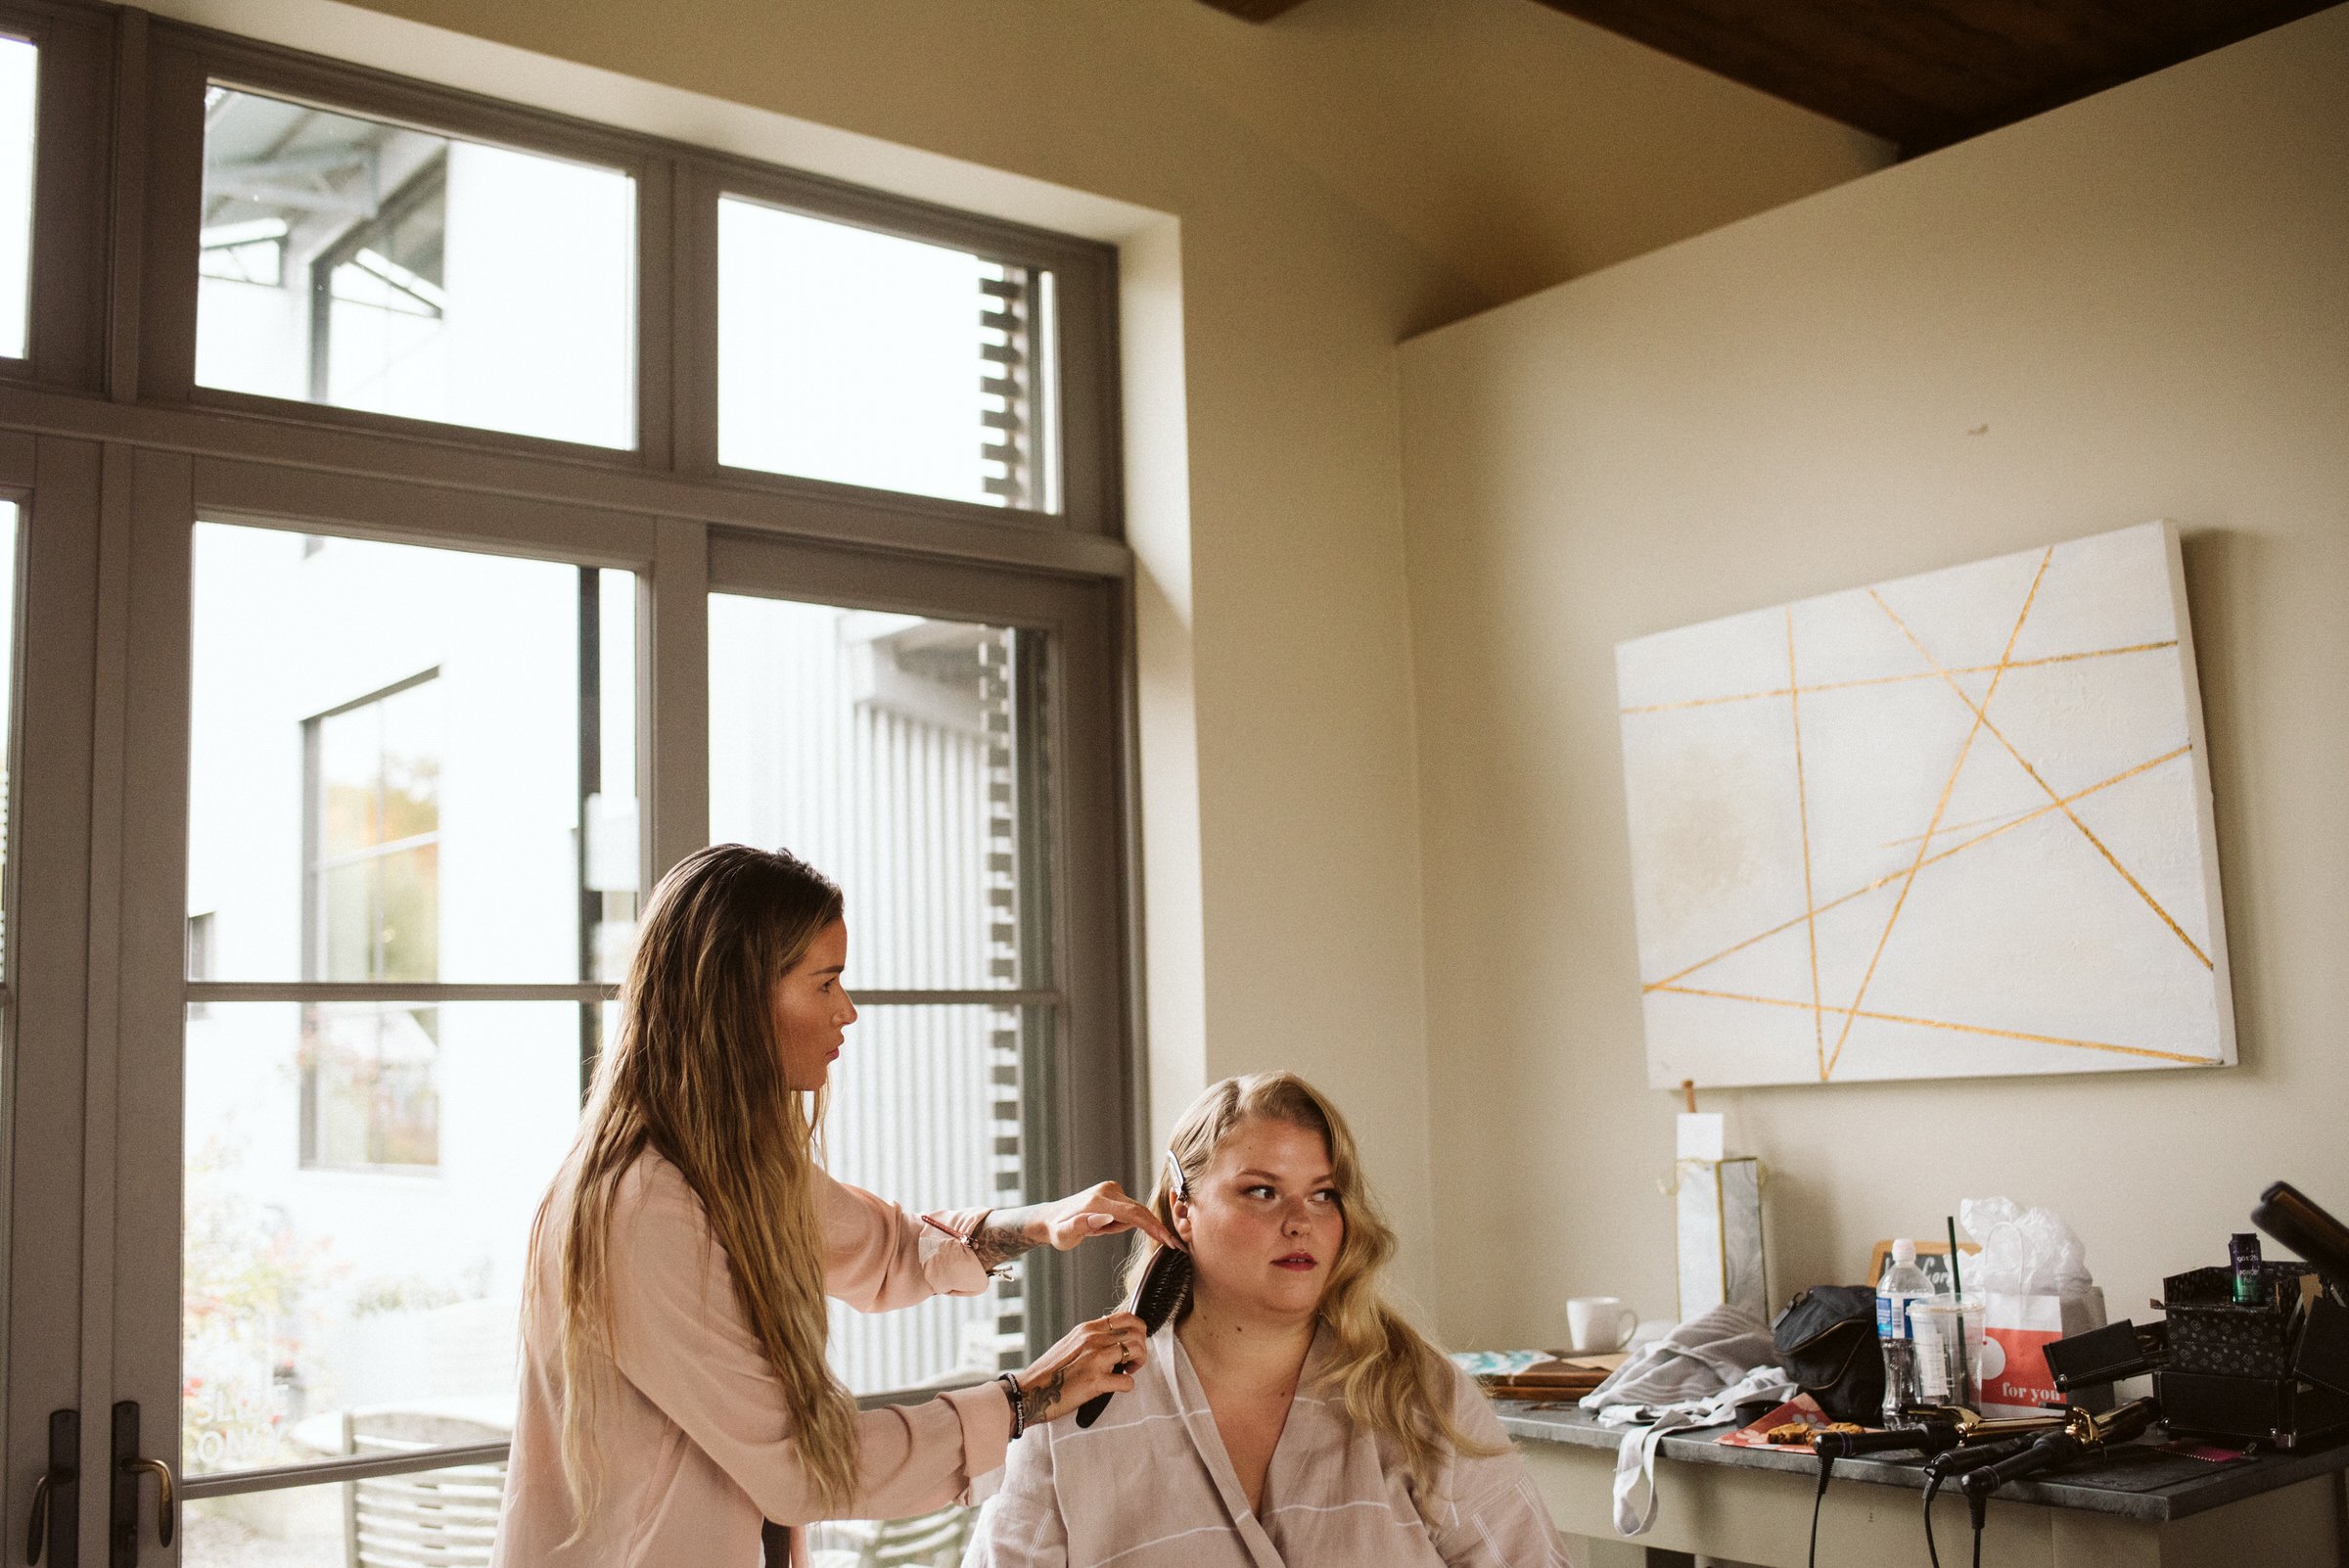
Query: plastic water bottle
pixel 1903 1283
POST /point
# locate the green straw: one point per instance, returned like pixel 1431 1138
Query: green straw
pixel 1956 1283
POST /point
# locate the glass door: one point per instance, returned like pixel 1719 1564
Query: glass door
pixel 933 742
pixel 407 883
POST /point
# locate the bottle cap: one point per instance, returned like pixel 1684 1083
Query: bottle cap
pixel 1903 1251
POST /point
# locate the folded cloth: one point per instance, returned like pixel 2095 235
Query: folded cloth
pixel 1696 1361
pixel 1696 1375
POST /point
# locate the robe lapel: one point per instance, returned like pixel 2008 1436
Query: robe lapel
pixel 1200 1423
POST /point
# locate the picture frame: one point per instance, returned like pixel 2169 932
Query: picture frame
pixel 1933 1257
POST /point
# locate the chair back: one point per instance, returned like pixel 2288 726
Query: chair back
pixel 925 1540
pixel 431 1519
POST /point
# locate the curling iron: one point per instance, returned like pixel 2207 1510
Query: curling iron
pixel 2083 1432
pixel 1953 1435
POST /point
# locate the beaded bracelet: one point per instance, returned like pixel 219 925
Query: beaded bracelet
pixel 1019 1402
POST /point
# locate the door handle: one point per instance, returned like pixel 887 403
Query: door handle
pixel 56 1496
pixel 134 1468
pixel 130 1466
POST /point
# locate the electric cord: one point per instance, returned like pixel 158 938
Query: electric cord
pixel 1925 1437
pixel 1957 1461
pixel 1826 1467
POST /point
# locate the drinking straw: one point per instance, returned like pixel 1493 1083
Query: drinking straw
pixel 1956 1283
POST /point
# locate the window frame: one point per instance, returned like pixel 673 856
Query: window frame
pixel 183 62
pixel 67 301
pixel 114 455
pixel 677 189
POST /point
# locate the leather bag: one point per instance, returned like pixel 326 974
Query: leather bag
pixel 1827 1342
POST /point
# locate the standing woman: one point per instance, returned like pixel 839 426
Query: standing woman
pixel 674 1395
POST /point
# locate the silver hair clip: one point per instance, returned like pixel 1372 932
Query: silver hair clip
pixel 1183 1185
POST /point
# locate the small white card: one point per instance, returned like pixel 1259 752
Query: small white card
pixel 1701 1135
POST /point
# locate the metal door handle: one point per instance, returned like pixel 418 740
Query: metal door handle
pixel 162 1497
pixel 55 1496
pixel 122 1545
pixel 37 1534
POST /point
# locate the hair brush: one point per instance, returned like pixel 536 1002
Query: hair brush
pixel 1157 1298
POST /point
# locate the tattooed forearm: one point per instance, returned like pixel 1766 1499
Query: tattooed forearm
pixel 1001 1237
pixel 1035 1401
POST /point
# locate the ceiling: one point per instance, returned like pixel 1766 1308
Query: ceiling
pixel 1921 73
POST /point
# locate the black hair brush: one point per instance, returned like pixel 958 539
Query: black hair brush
pixel 1159 1296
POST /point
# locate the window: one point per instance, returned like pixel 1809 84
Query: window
pixel 19 68
pixel 450 515
pixel 373 782
pixel 372 774
pixel 369 265
pixel 869 360
pixel 897 752
pixel 403 763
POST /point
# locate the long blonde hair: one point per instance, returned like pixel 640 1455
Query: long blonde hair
pixel 1389 1377
pixel 696 1077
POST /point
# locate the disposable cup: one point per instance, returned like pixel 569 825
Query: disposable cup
pixel 1947 1331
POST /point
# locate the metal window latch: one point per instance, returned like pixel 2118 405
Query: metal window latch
pixel 129 1467
pixel 56 1525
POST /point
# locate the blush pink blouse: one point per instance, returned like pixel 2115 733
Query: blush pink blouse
pixel 695 1450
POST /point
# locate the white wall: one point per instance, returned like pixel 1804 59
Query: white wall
pixel 1290 202
pixel 2134 306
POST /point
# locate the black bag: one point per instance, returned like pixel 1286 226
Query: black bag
pixel 1827 1342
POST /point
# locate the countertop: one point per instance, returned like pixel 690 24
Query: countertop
pixel 2136 1481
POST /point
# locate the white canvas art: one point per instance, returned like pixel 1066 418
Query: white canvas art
pixel 1951 825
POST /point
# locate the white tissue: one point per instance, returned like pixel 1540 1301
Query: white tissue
pixel 2024 1251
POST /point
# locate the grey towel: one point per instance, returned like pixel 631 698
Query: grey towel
pixel 1696 1361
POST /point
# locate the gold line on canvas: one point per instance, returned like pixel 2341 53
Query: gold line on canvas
pixel 1963 1029
pixel 1802 806
pixel 1981 718
pixel 1931 860
pixel 1894 681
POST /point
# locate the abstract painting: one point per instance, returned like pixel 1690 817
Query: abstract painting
pixel 1953 825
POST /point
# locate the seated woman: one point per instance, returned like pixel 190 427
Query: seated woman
pixel 1288 1417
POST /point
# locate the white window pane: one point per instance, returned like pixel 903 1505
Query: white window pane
pixel 867 359
pixel 925 1110
pixel 395 754
pixel 386 1278
pixel 19 73
pixel 885 750
pixel 370 265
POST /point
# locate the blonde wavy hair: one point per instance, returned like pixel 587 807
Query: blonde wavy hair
pixel 696 1077
pixel 1387 1376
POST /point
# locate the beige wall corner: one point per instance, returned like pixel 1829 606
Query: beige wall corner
pixel 2132 307
pixel 1158 525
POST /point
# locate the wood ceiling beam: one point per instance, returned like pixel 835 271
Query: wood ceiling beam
pixel 1253 9
pixel 1922 74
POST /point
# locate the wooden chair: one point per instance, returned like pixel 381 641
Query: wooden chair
pixel 926 1541
pixel 430 1519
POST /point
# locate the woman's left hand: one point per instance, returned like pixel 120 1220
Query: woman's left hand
pixel 1101 1209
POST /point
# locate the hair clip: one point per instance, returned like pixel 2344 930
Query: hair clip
pixel 1183 1185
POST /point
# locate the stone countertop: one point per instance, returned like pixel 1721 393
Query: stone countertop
pixel 2136 1480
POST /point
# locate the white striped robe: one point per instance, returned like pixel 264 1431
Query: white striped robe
pixel 1149 1485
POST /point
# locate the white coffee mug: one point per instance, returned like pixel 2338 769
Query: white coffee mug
pixel 1599 1323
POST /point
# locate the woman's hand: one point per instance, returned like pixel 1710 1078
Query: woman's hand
pixel 1101 1209
pixel 1095 1358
